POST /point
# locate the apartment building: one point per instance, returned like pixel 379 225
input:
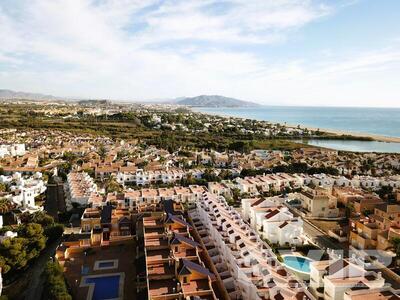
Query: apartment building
pixel 251 264
pixel 332 279
pixel 99 227
pixel 378 229
pixel 176 267
pixel 148 199
pixel 361 201
pixel 264 183
pixel 319 202
pixel 141 177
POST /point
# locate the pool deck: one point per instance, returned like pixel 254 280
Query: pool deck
pixel 124 253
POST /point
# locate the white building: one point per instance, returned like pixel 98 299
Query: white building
pixel 340 276
pixel 79 187
pixel 8 235
pixel 141 177
pixel 254 267
pixel 384 293
pixel 272 220
pixel 24 190
pixel 12 150
pixel 281 227
pixel 268 182
pixel 319 203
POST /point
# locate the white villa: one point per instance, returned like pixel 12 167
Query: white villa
pixel 23 190
pixel 273 221
pixel 12 150
pixel 338 277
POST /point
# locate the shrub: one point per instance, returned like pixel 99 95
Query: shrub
pixel 56 288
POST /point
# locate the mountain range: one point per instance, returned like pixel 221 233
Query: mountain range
pixel 198 101
pixel 9 94
pixel 214 101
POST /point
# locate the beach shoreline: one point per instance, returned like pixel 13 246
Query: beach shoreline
pixel 336 132
pixel 375 137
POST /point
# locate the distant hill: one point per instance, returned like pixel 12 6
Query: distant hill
pixel 94 102
pixel 214 101
pixel 9 94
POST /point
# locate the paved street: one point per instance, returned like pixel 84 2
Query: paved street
pixel 318 236
pixel 36 278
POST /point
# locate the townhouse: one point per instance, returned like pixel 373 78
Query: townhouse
pixel 378 229
pixel 220 189
pixel 251 266
pixel 177 266
pixel 141 177
pixel 273 220
pixel 361 201
pixel 318 203
pixel 264 183
pixel 78 188
pixel 148 199
pixel 331 279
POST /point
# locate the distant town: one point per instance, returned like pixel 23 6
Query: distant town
pixel 104 200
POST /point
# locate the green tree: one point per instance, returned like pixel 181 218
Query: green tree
pixel 3 187
pixel 55 288
pixel 112 185
pixel 5 205
pixel 102 151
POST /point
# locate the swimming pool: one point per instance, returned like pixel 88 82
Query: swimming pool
pixel 106 264
pixel 297 263
pixel 104 287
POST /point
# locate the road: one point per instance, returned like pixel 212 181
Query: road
pixel 36 279
pixel 318 236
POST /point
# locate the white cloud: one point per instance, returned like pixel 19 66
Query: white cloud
pixel 141 49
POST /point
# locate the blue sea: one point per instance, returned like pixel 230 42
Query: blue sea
pixel 379 121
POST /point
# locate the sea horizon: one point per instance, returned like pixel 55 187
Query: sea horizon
pixel 380 121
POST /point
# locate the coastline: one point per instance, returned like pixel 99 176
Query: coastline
pixel 375 137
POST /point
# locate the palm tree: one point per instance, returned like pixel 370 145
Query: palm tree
pixel 5 205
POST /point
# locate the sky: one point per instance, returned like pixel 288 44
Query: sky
pixel 273 52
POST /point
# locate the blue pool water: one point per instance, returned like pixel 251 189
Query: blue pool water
pixel 105 287
pixel 297 263
pixel 106 264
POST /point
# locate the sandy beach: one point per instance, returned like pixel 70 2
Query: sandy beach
pixel 380 138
